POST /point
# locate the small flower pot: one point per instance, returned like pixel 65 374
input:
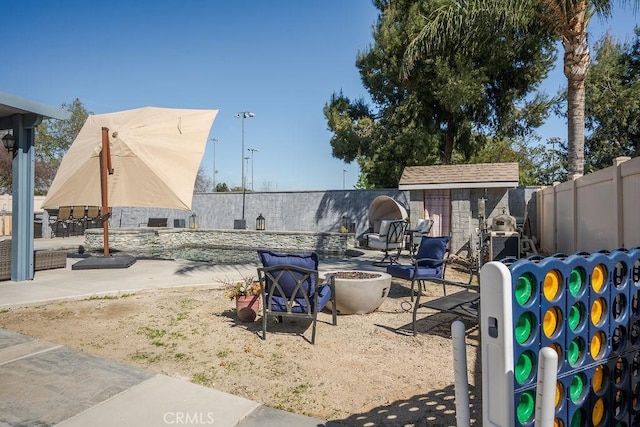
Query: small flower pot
pixel 247 307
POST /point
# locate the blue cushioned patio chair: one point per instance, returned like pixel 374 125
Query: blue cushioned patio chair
pixel 430 263
pixel 290 287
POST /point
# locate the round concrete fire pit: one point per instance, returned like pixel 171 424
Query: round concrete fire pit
pixel 360 292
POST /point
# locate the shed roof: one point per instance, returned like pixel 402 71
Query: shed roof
pixel 478 175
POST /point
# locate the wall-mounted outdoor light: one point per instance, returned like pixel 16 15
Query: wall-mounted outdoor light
pixel 344 226
pixel 9 142
pixel 260 223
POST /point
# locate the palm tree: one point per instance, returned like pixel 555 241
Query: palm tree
pixel 568 20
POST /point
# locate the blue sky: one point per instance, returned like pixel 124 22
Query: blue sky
pixel 280 59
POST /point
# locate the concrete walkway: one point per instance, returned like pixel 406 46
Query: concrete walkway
pixel 42 383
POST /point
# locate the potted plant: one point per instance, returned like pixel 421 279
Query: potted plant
pixel 246 293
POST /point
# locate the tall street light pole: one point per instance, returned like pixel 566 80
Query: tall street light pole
pixel 344 172
pixel 253 150
pixel 243 115
pixel 213 142
pixel 246 159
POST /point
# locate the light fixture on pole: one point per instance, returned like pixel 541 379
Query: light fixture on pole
pixel 243 115
pixel 213 142
pixel 9 142
pixel 344 172
pixel 253 150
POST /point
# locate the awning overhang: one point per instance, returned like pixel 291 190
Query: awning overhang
pixel 11 105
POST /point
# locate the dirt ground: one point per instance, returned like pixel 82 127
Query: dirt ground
pixel 369 370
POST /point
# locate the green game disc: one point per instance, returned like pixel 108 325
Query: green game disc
pixel 524 328
pixel 576 389
pixel 526 406
pixel 576 312
pixel 576 278
pixel 576 420
pixel 573 352
pixel 524 289
pixel 524 367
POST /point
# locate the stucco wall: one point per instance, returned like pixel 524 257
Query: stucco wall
pixel 313 211
pixel 322 211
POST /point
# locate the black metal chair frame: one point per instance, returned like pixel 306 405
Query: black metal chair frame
pixel 462 303
pixel 303 277
pixel 395 235
pixel 416 235
pixel 78 218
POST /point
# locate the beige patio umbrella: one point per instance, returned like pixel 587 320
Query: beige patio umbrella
pixel 152 156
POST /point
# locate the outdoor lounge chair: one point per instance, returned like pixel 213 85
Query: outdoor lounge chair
pixel 430 265
pixel 290 287
pixel 93 216
pixel 78 218
pixel 64 221
pixel 423 228
pixel 391 237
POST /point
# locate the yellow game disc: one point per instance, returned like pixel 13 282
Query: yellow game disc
pixel 598 277
pixel 598 308
pixel 598 379
pixel 597 415
pixel 551 286
pixel 596 345
pixel 559 393
pixel 552 319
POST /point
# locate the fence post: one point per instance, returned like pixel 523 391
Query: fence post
pixel 619 205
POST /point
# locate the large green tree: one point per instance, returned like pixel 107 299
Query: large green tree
pixel 612 114
pixel 53 138
pixel 444 110
pixel 455 22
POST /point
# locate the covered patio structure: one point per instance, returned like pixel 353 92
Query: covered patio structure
pixel 19 118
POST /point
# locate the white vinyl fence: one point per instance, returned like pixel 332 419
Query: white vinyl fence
pixel 597 211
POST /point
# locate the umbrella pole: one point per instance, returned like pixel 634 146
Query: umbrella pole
pixel 105 168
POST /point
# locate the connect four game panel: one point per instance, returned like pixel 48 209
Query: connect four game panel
pixel 586 307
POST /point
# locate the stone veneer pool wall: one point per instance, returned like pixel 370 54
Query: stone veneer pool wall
pixel 157 240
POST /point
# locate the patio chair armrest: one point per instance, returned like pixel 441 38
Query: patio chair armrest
pixel 443 260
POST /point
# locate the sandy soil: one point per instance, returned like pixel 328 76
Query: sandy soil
pixel 368 370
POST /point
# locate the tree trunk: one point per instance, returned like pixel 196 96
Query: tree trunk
pixel 449 141
pixel 576 64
